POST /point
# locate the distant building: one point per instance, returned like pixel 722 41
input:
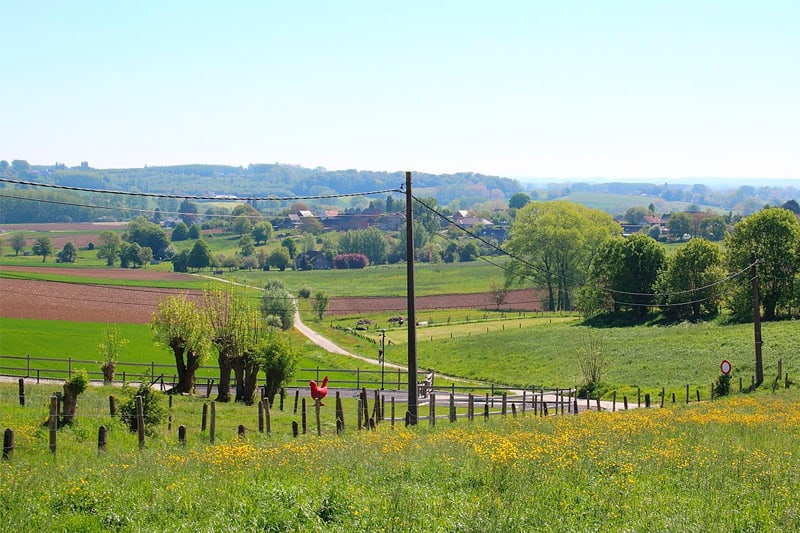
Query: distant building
pixel 312 260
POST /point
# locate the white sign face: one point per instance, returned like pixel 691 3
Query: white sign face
pixel 725 367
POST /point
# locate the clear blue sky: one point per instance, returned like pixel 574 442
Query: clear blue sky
pixel 562 89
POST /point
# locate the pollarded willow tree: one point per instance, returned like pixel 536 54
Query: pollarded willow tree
pixel 772 237
pixel 234 327
pixel 557 242
pixel 180 326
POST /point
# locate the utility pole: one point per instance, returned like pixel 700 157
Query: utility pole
pixel 756 320
pixel 412 312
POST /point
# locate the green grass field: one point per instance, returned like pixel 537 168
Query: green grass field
pixel 520 352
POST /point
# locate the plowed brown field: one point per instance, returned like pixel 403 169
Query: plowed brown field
pixel 47 300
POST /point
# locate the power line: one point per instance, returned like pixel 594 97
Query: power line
pixel 198 197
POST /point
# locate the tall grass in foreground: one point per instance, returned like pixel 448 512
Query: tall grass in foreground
pixel 730 465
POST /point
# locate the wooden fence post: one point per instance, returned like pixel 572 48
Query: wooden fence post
pixel 432 408
pixel 209 385
pixel 392 413
pixel 523 401
pixel 101 439
pixel 303 416
pixel 182 435
pixel 169 419
pixel 213 425
pixel 638 397
pixel 452 408
pixel 647 399
pixel 140 421
pixel 663 393
pixel 360 414
pixel 687 393
pixel 294 428
pixel 204 421
pixel 698 394
pixel 486 411
pixel 261 416
pixel 614 402
pixel 241 432
pixel 504 404
pixel 53 422
pixel 22 392
pixel 471 408
pixel 267 416
pixel 340 410
pixel 513 410
pixel 283 395
pixel 365 405
pixel 597 401
pixel 319 425
pixel 8 443
pixel 296 398
pixel 625 402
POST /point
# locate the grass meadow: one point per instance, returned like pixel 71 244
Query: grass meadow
pixel 727 465
pixel 538 349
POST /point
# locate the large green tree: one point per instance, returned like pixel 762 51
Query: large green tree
pixel 262 232
pixel 556 242
pixel 691 284
pixel 679 224
pixel 370 242
pixel 245 216
pixel 68 253
pixel 199 256
pixel 17 241
pixel 277 302
pixel 772 237
pixel 180 326
pixel 44 247
pixel 108 247
pixel 623 275
pixel 145 233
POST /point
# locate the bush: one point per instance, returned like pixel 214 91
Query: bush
pixel 154 412
pixel 305 292
pixel 346 261
pixel 723 385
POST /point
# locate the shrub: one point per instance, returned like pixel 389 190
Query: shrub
pixel 305 292
pixel 723 385
pixel 153 411
pixel 345 261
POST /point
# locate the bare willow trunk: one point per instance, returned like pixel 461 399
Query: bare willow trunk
pixel 224 387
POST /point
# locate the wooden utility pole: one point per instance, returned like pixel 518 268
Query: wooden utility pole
pixel 412 313
pixel 756 320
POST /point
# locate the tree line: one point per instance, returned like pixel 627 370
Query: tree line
pixel 580 258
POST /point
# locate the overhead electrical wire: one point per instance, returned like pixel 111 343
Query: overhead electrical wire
pixel 199 197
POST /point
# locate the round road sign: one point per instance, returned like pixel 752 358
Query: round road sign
pixel 725 367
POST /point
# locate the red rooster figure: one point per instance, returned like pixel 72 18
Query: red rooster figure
pixel 318 392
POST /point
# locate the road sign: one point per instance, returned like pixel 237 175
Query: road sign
pixel 725 367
